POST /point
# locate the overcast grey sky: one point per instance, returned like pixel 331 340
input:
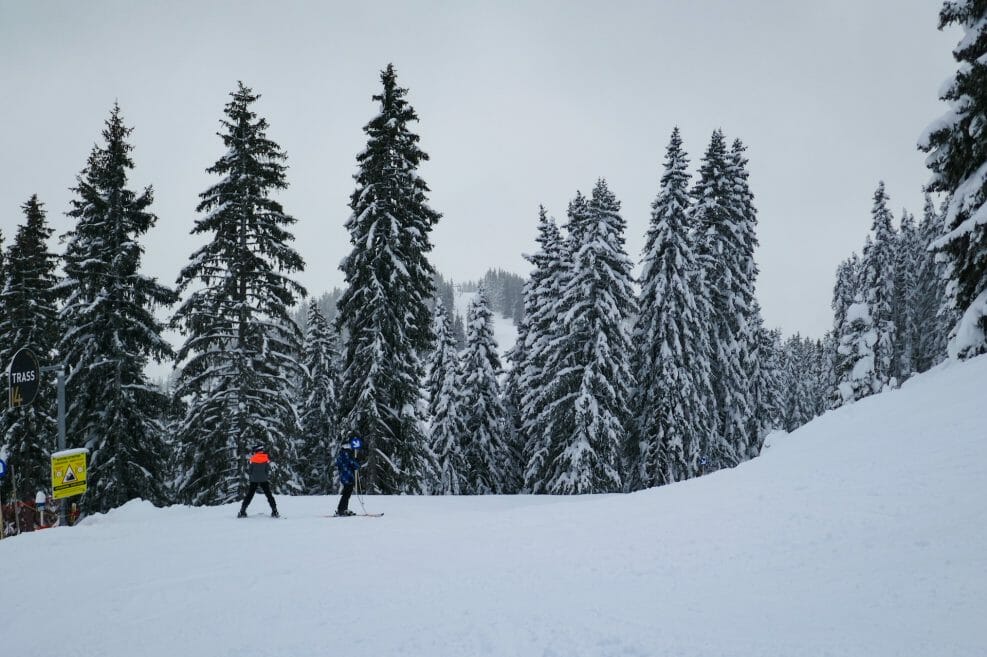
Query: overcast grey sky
pixel 520 103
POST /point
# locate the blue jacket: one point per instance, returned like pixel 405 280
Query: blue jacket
pixel 347 466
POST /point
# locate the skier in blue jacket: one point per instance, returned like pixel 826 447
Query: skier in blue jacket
pixel 348 462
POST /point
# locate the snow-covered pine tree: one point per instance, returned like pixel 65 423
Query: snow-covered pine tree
pixel 721 244
pixel 384 312
pixel 110 332
pixel 484 441
pixel 745 306
pixel 459 330
pixel 443 348
pixel 671 403
pixel 906 254
pixel 930 295
pixel 320 357
pixel 823 380
pixel 28 434
pixel 855 373
pixel 587 415
pixel 845 290
pixel 798 382
pixel 540 293
pixel 446 409
pixel 957 147
pixel 877 285
pixel 240 360
pixel 827 379
pixel 515 357
pixel 766 386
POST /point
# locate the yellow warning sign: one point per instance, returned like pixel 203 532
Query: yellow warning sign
pixel 68 473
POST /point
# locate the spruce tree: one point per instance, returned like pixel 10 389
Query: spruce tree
pixel 239 363
pixel 671 406
pixel 444 348
pixel 484 442
pixel 384 312
pixel 316 450
pixel 746 311
pixel 110 331
pixel 878 287
pixel 541 292
pixel 957 148
pixel 855 374
pixel 799 370
pixel 587 418
pixel 906 260
pixel 29 319
pixel 930 294
pixel 513 394
pixel 446 410
pixel 766 384
pixel 845 290
pixel 720 217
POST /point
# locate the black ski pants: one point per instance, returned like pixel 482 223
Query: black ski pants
pixel 266 487
pixel 344 501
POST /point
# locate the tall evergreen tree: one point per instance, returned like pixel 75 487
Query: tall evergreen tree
pixel 766 384
pixel 770 386
pixel 672 411
pixel 855 374
pixel 798 376
pixel 29 319
pixel 239 362
pixel 877 285
pixel 845 290
pixel 721 247
pixel 384 311
pixel 446 409
pixel 485 444
pixel 110 331
pixel 930 330
pixel 541 292
pixel 587 415
pixel 748 319
pixel 957 147
pixel 443 349
pixel 320 354
pixel 907 254
pixel 513 395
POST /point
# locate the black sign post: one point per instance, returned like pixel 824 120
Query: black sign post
pixel 23 377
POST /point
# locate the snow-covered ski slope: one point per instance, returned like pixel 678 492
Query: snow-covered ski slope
pixel 864 534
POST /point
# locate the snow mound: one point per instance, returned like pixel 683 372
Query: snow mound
pixel 860 534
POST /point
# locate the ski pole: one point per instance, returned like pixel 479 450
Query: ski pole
pixel 359 496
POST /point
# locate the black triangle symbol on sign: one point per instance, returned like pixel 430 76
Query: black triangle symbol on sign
pixel 69 475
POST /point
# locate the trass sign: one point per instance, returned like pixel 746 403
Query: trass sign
pixel 24 378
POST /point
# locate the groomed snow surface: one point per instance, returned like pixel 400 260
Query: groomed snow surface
pixel 864 533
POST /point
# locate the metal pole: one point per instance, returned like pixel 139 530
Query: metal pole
pixel 17 512
pixel 60 377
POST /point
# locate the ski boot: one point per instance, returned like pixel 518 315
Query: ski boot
pixel 242 514
pixel 345 512
pixel 275 514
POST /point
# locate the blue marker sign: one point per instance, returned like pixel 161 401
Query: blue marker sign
pixel 3 468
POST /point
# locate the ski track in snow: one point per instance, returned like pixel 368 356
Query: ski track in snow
pixel 861 534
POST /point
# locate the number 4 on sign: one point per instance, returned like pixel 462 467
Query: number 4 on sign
pixel 15 396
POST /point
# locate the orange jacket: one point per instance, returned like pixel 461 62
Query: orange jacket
pixel 259 465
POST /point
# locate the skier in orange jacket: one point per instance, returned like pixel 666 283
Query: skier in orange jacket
pixel 260 464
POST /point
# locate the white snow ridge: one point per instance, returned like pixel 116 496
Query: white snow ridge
pixel 864 534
